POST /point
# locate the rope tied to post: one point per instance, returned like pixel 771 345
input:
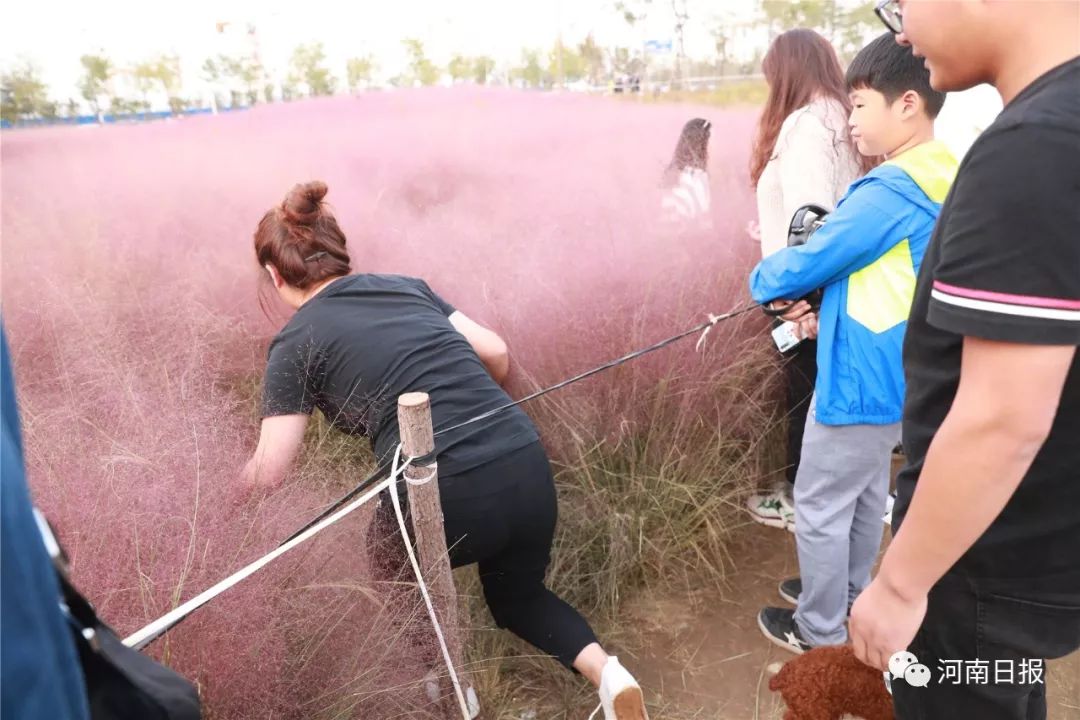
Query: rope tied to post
pixel 463 705
pixel 433 471
pixel 373 486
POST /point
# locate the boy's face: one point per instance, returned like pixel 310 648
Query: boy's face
pixel 877 126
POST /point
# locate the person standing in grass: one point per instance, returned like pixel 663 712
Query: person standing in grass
pixel 802 154
pixel 866 256
pixel 354 345
pixel 985 559
pixel 688 197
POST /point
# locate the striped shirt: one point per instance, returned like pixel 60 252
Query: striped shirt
pixel 689 201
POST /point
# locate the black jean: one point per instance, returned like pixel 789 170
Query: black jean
pixel 800 374
pixel 1008 624
pixel 501 516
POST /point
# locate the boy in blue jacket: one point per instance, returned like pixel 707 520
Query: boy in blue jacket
pixel 866 257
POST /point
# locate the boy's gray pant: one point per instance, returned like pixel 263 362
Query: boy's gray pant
pixel 840 493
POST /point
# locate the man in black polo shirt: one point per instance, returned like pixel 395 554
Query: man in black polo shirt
pixel 985 562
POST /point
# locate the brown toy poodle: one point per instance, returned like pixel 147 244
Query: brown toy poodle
pixel 830 683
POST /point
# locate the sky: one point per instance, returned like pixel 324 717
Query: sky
pixel 54 35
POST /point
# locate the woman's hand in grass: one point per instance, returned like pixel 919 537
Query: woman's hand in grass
pixel 280 438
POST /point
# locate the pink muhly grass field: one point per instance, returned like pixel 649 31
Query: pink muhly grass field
pixel 129 299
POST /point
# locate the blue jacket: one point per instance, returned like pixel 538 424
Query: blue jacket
pixel 866 256
pixel 40 675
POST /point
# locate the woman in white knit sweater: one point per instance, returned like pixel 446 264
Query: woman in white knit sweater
pixel 802 154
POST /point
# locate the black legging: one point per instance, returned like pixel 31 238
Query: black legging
pixel 800 374
pixel 501 515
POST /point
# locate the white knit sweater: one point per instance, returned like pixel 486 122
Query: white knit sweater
pixel 813 161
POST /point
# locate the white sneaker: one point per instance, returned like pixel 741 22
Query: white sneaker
pixel 434 694
pixel 473 702
pixel 774 509
pixel 890 500
pixel 620 695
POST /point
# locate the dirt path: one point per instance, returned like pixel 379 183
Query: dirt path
pixel 706 658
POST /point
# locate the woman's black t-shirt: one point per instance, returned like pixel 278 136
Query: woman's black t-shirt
pixel 364 340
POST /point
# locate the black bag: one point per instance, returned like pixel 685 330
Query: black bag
pixel 121 683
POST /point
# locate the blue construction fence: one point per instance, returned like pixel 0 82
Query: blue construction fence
pixel 110 118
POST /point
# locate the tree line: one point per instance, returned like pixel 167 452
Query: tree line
pixel 236 81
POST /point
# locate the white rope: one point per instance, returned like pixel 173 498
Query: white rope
pixel 433 467
pixel 713 319
pixel 465 713
pixel 139 639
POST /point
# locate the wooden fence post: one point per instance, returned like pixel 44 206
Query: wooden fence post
pixel 417 437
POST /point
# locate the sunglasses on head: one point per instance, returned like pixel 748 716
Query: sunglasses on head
pixel 889 13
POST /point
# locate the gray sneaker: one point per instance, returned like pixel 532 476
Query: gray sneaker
pixel 778 626
pixel 790 589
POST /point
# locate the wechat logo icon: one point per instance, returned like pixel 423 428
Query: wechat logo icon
pixel 904 665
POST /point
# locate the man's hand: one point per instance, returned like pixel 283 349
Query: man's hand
pixel 884 622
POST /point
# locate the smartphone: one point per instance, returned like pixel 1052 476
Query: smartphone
pixel 785 336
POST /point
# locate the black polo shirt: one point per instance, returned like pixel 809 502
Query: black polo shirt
pixel 1004 265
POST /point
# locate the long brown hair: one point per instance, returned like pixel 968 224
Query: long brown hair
pixel 301 238
pixel 800 66
pixel 692 150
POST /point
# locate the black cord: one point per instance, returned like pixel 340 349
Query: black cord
pixel 607 366
pixel 384 467
pixel 381 473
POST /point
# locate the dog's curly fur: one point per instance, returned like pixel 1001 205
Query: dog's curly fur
pixel 829 683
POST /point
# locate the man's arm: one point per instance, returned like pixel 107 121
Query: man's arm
pixel 1004 408
pixel 1003 411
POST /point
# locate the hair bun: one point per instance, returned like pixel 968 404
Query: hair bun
pixel 302 204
